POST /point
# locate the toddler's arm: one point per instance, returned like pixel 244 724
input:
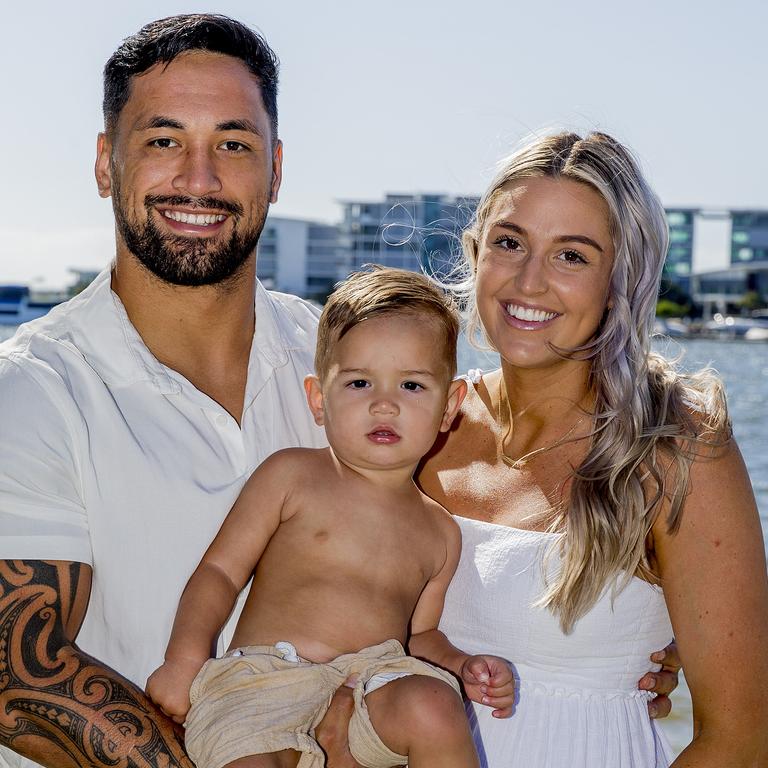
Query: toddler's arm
pixel 211 592
pixel 487 679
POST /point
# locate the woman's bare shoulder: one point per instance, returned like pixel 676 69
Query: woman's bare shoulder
pixel 472 430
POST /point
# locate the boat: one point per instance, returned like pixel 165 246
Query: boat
pixel 731 327
pixel 756 333
pixel 18 304
pixel 671 327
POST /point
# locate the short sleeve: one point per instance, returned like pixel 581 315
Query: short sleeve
pixel 42 514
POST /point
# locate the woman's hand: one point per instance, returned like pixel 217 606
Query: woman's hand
pixel 489 680
pixel 332 732
pixel 662 682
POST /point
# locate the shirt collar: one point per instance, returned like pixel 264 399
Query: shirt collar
pixel 110 343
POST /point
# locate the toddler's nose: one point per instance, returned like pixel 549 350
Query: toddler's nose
pixel 384 405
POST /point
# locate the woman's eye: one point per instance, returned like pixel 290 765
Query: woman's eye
pixel 412 386
pixel 507 242
pixel 572 257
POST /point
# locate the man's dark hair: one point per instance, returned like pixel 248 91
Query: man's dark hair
pixel 163 40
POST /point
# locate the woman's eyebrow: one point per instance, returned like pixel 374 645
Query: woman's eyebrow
pixel 509 225
pixel 580 239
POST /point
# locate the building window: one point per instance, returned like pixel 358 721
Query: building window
pixel 679 236
pixel 678 218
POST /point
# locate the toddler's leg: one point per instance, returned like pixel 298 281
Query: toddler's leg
pixel 287 758
pixel 423 718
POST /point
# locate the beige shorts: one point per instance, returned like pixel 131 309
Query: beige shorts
pixel 263 699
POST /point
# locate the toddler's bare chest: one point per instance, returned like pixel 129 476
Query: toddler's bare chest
pixel 384 546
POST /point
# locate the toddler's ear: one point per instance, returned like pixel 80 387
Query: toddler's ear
pixel 315 398
pixel 456 393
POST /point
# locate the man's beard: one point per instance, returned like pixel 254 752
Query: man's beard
pixel 189 261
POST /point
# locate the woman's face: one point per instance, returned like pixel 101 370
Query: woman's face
pixel 543 269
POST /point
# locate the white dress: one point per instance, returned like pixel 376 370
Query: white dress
pixel 577 702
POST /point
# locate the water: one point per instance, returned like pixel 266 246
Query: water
pixel 744 369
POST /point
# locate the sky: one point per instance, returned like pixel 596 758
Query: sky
pixel 397 96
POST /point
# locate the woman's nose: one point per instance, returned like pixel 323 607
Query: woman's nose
pixel 531 276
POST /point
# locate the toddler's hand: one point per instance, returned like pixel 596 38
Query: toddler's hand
pixel 168 686
pixel 489 680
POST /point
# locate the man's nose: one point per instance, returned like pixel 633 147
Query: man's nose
pixel 198 175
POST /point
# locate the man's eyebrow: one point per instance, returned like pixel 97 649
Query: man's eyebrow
pixel 239 125
pixel 158 121
pixel 562 239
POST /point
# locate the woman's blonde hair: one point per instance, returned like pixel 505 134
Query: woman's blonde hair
pixel 649 418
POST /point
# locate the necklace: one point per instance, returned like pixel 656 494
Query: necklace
pixel 523 460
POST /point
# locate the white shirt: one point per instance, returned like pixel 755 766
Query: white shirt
pixel 109 458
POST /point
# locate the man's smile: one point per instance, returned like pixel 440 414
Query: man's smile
pixel 190 216
pixel 198 219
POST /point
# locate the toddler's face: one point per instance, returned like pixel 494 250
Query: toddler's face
pixel 387 392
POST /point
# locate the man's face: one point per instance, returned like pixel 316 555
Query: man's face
pixel 191 167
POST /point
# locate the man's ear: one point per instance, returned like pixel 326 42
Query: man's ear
pixel 103 168
pixel 457 391
pixel 277 171
pixel 315 398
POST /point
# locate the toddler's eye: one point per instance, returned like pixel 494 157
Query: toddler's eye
pixel 358 384
pixel 412 386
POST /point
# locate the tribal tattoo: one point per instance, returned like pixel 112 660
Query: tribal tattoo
pixel 58 705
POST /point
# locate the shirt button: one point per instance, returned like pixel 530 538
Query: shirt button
pixel 221 420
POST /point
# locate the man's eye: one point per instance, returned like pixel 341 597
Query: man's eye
pixel 163 143
pixel 233 146
pixel 412 386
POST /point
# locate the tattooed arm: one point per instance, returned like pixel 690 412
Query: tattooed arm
pixel 59 706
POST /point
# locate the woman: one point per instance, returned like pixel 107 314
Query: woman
pixel 587 474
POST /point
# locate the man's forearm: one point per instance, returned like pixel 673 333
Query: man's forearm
pixel 59 706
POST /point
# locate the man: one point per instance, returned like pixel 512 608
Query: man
pixel 139 409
